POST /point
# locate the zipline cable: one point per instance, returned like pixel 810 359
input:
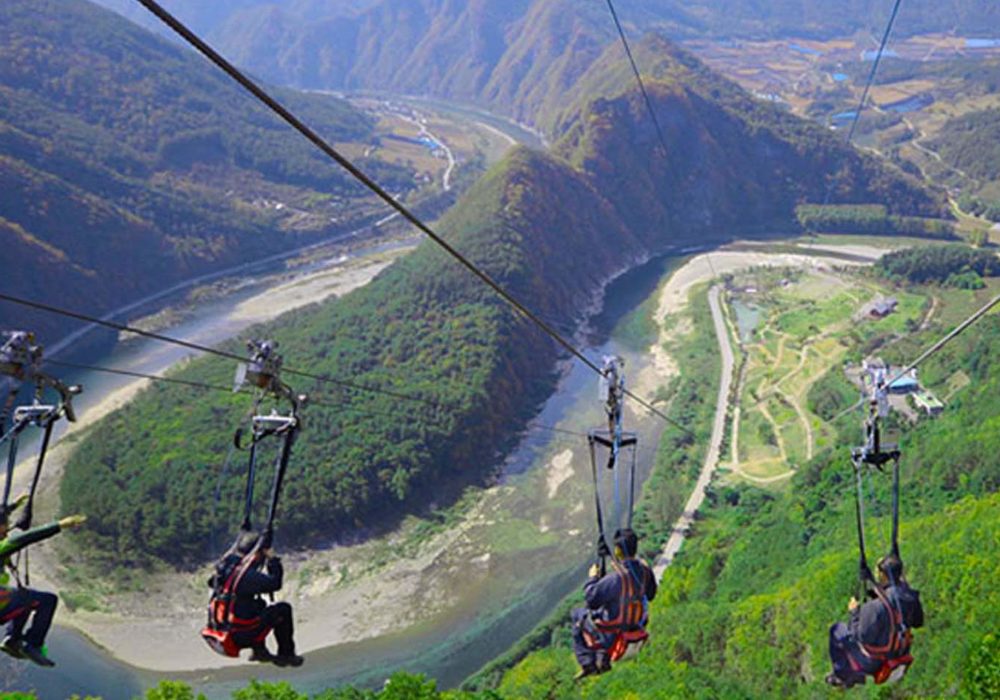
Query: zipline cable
pixel 646 98
pixel 212 55
pixel 139 375
pixel 638 77
pixel 946 339
pixel 871 74
pixel 868 85
pixel 121 327
pixel 208 387
pixel 554 429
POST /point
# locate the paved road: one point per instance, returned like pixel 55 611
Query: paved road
pixel 718 430
pixel 419 122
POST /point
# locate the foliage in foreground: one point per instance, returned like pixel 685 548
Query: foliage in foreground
pixel 744 610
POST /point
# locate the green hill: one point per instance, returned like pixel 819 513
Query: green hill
pixel 553 229
pixel 425 327
pixel 745 608
pixel 716 133
pixel 128 163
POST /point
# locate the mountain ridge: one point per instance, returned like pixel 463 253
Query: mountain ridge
pixel 512 56
pixel 115 141
pixel 551 228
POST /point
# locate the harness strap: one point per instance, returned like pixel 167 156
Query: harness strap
pixel 899 636
pixel 24 520
pixel 226 595
pixel 602 540
pixel 13 435
pixel 631 608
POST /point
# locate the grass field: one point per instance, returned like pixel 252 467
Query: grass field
pixel 806 322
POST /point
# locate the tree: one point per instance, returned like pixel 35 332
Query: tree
pixel 172 690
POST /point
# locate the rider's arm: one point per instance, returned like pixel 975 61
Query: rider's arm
pixel 600 592
pixel 19 541
pixel 916 611
pixel 872 623
pixel 255 581
pixel 650 584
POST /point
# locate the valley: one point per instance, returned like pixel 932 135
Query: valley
pixel 543 486
pixel 739 255
pixel 932 93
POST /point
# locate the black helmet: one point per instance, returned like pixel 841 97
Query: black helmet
pixel 891 566
pixel 246 541
pixel 627 541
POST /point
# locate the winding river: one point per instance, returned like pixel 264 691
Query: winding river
pixel 537 544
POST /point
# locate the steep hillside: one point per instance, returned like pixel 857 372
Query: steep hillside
pixel 128 163
pixel 716 134
pixel 426 327
pixel 552 228
pixel 744 610
pixel 510 54
pixel 971 143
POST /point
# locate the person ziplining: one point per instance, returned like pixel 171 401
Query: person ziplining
pixel 612 626
pixel 238 616
pixel 20 364
pixel 876 639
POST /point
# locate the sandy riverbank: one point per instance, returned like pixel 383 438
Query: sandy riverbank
pixel 125 631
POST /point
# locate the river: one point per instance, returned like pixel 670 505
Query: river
pixel 537 540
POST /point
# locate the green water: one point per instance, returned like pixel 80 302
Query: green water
pixel 529 573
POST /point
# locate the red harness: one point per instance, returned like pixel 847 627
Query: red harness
pixel 894 655
pixel 628 627
pixel 223 623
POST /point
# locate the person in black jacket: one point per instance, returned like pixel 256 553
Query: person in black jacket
pixel 596 626
pixel 872 635
pixel 256 619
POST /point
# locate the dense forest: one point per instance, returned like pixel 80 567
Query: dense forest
pixel 948 264
pixel 427 327
pixel 129 163
pixel 970 143
pixel 873 219
pixel 978 205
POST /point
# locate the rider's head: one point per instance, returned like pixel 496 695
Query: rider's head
pixel 890 569
pixel 626 543
pixel 246 542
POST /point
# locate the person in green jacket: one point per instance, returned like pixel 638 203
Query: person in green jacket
pixel 19 605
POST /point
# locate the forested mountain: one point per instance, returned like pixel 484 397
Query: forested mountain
pixel 511 55
pixel 744 610
pixel 552 228
pixel 716 133
pixel 971 143
pixel 127 163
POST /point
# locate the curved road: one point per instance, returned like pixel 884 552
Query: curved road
pixel 681 527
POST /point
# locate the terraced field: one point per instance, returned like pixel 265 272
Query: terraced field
pixel 772 430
